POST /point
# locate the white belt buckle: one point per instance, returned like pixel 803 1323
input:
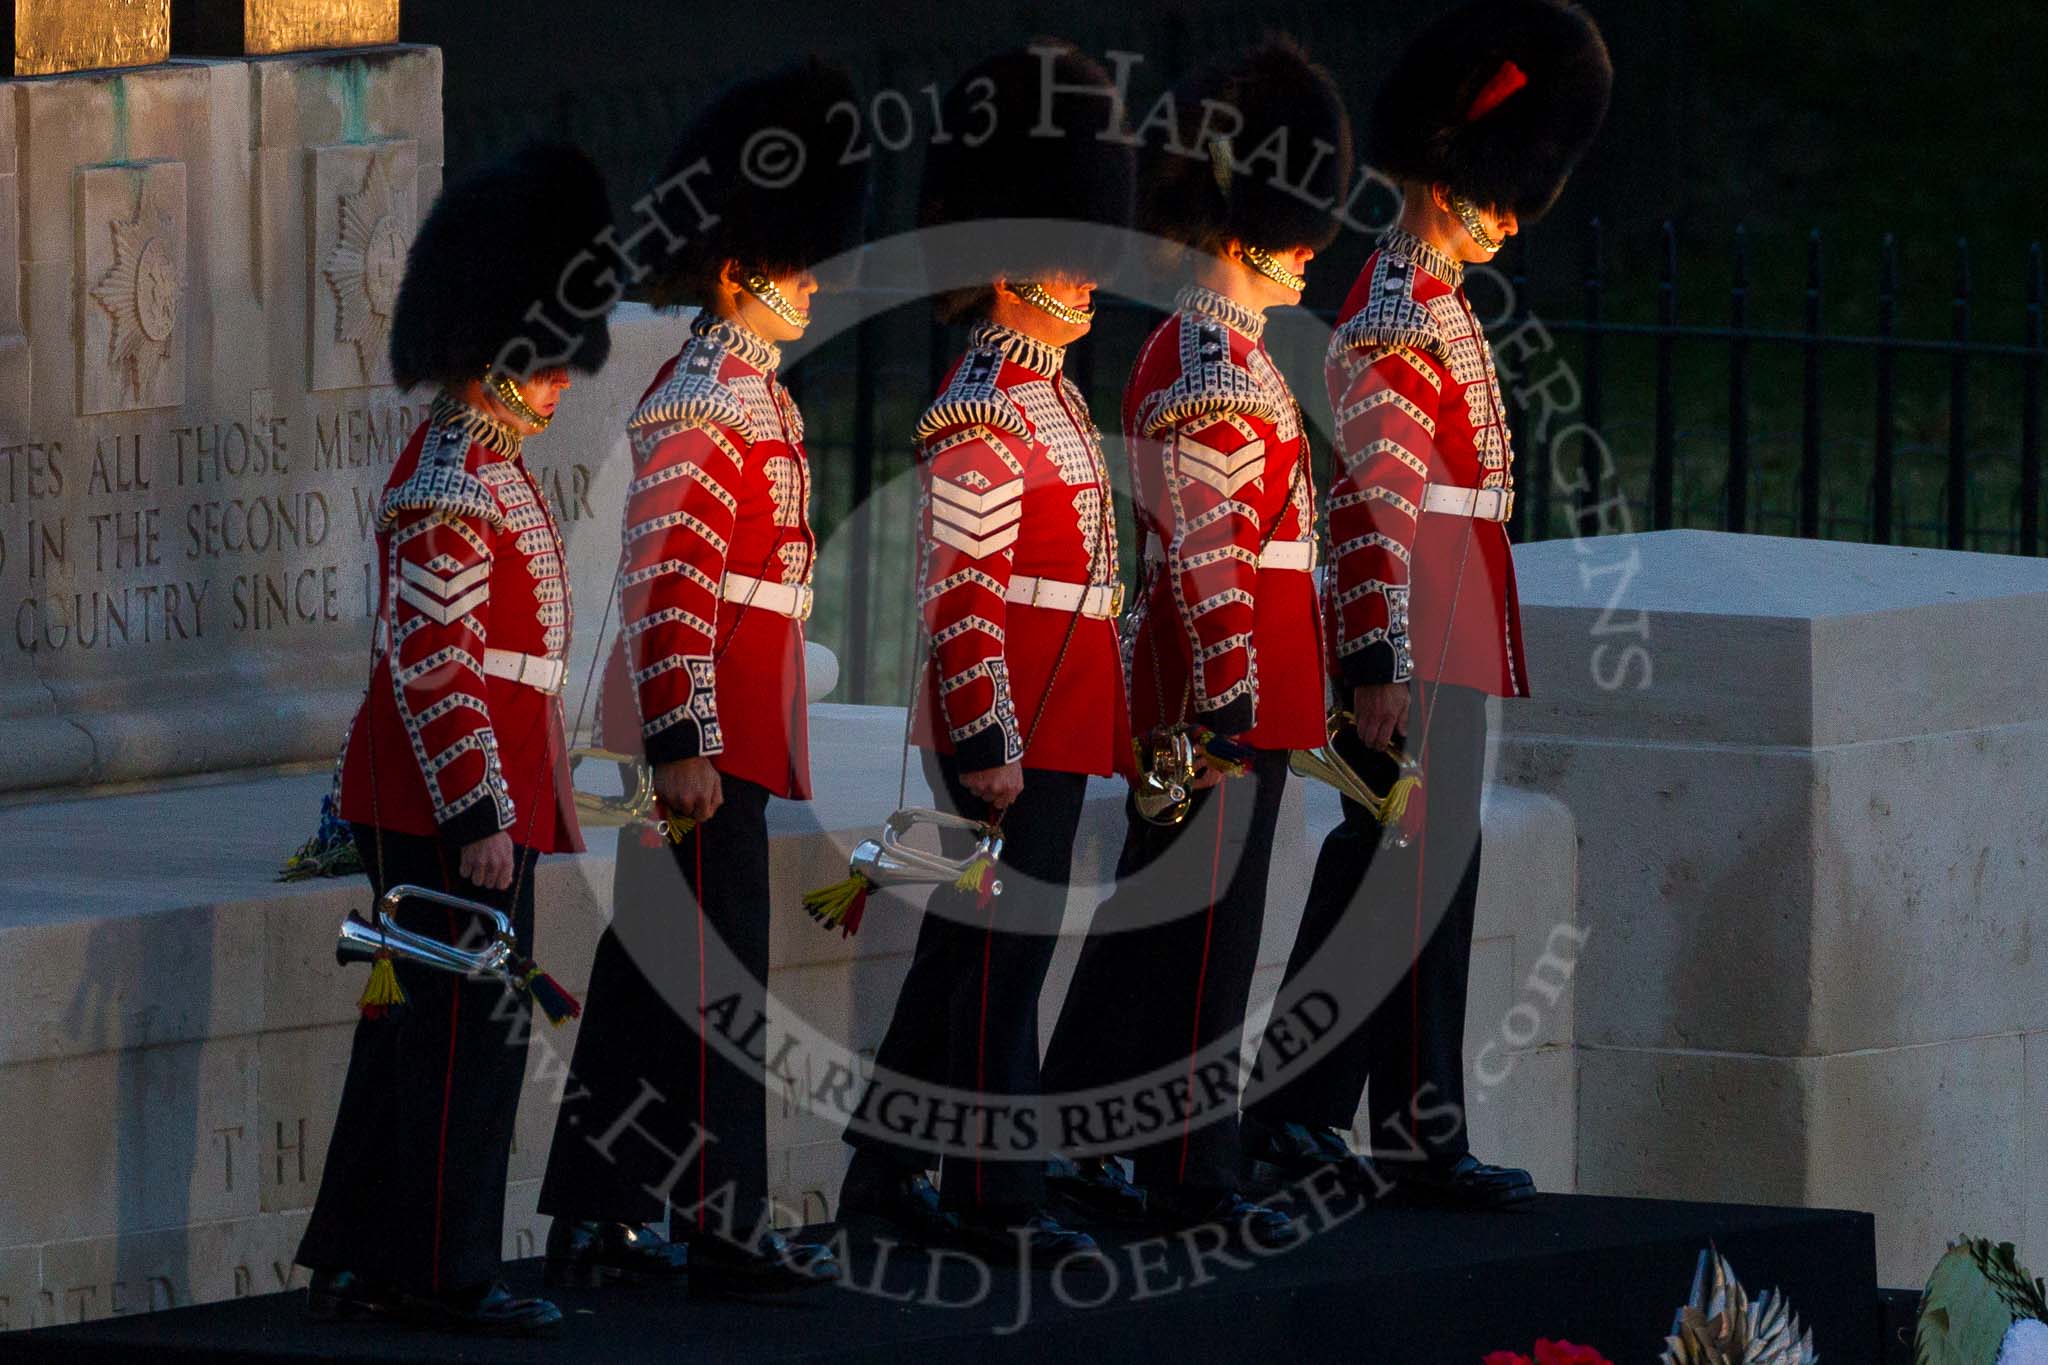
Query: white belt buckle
pixel 805 598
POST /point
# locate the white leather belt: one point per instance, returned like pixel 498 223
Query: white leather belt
pixel 537 671
pixel 1482 504
pixel 534 670
pixel 784 599
pixel 1288 554
pixel 1277 554
pixel 1099 602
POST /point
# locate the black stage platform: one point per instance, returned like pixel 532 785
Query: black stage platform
pixel 1383 1286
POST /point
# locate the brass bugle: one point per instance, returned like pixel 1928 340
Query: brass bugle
pixel 889 861
pixel 1165 792
pixel 1326 764
pixel 636 807
pixel 361 940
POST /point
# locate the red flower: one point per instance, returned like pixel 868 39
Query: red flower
pixel 1505 1358
pixel 1564 1353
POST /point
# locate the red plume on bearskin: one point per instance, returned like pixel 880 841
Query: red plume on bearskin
pixel 1015 154
pixel 1497 99
pixel 496 243
pixel 774 178
pixel 1290 156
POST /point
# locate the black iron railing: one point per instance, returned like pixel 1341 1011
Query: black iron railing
pixel 1814 345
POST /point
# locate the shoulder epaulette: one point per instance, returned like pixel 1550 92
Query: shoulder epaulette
pixel 442 481
pixel 1211 381
pixel 974 399
pixel 1392 315
pixel 694 396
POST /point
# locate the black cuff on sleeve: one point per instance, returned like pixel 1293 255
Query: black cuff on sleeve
pixel 1232 719
pixel 1370 666
pixel 987 747
pixel 480 821
pixel 674 744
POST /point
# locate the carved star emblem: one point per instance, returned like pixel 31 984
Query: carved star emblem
pixel 140 293
pixel 366 264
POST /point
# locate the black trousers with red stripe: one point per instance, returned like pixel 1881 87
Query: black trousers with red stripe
pixel 1395 958
pixel 413 1192
pixel 1166 973
pixel 660 1115
pixel 967 1016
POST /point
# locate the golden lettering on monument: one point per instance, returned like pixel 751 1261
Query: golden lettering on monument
pixel 52 36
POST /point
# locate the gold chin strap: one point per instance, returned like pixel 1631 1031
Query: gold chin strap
pixel 1259 259
pixel 1474 225
pixel 1035 294
pixel 775 301
pixel 507 390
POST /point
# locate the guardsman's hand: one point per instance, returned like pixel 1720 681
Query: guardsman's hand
pixel 488 862
pixel 997 786
pixel 689 787
pixel 1381 710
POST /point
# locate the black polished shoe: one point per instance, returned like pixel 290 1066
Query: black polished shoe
pixel 1094 1190
pixel 344 1296
pixel 1279 1154
pixel 1179 1207
pixel 900 1205
pixel 486 1310
pixel 590 1255
pixel 772 1265
pixel 1032 1236
pixel 1463 1183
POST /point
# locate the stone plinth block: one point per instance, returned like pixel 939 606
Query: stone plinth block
pixel 1929 1138
pixel 363 220
pixel 1802 776
pixel 320 99
pixel 1813 770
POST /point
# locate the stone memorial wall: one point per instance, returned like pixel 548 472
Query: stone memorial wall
pixel 198 262
pixel 1805 780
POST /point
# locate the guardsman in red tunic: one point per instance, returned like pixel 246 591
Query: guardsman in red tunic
pixel 1228 641
pixel 1481 123
pixel 663 1113
pixel 1023 696
pixel 455 777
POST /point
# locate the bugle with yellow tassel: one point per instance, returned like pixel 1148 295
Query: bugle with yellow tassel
pixel 381 939
pixel 1325 764
pixel 639 808
pixel 889 861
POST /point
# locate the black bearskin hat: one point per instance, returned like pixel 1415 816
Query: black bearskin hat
pixel 499 240
pixel 1261 153
pixel 1498 99
pixel 1014 153
pixel 765 161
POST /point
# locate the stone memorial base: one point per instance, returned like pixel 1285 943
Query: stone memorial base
pixel 173 1027
pixel 1814 861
